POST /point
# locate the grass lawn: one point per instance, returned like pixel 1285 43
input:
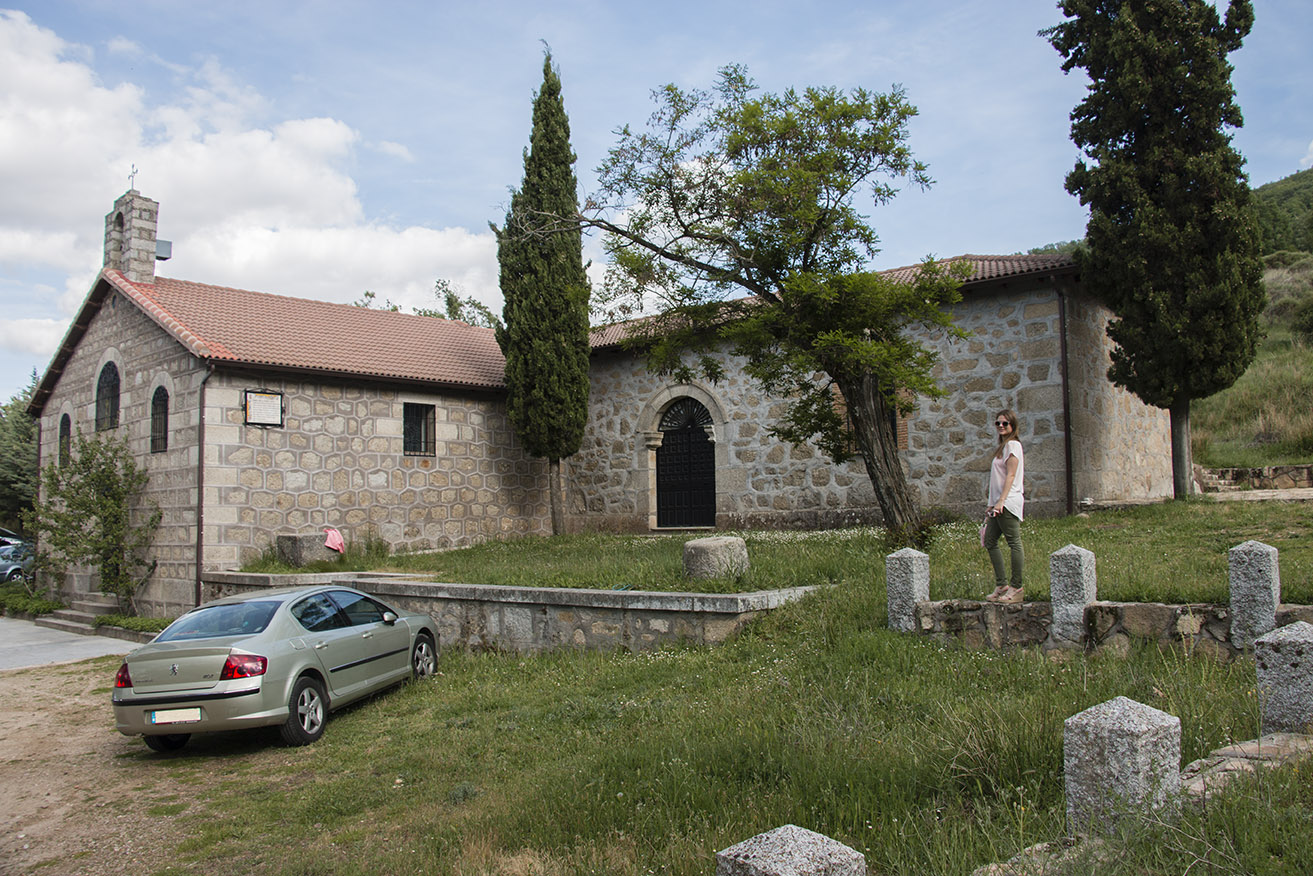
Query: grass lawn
pixel 927 758
pixel 1166 552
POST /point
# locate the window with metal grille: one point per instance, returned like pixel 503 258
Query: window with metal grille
pixel 159 421
pixel 65 439
pixel 417 430
pixel 107 398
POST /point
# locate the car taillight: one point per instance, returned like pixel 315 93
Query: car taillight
pixel 243 666
pixel 123 679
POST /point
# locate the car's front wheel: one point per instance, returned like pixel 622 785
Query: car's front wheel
pixel 423 657
pixel 307 711
pixel 167 742
pixel 14 575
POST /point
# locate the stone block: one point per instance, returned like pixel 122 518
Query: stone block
pixel 300 550
pixel 1284 662
pixel 907 582
pixel 1255 591
pixel 790 851
pixel 1072 586
pixel 1119 758
pixel 722 556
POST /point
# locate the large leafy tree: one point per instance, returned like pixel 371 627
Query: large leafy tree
pixel 19 469
pixel 1173 243
pixel 736 216
pixel 545 332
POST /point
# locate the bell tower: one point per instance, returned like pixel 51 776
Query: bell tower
pixel 131 245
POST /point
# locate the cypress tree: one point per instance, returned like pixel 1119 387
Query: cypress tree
pixel 545 332
pixel 1173 242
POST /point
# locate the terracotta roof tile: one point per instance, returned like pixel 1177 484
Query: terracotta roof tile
pixel 258 329
pixel 985 269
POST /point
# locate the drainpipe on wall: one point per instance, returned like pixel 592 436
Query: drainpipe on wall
pixel 1066 401
pixel 200 484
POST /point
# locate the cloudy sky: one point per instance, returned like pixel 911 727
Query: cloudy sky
pixel 321 148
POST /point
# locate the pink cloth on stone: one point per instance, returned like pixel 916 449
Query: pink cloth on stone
pixel 334 540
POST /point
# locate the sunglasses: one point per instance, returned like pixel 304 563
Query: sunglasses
pixel 1002 423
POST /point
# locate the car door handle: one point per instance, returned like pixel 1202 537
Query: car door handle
pixel 320 645
pixel 366 635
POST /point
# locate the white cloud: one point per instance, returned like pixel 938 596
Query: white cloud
pixel 249 201
pixel 1307 160
pixel 39 336
pixel 396 150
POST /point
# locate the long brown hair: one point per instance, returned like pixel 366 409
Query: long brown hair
pixel 1011 416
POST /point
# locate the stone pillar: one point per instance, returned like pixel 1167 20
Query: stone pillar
pixel 1072 586
pixel 722 556
pixel 790 851
pixel 1119 757
pixel 1284 662
pixel 1255 591
pixel 907 582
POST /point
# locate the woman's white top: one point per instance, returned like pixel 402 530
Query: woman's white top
pixel 998 473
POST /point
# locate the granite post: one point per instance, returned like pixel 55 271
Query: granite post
pixel 1284 662
pixel 790 851
pixel 1072 586
pixel 1255 591
pixel 907 582
pixel 1119 757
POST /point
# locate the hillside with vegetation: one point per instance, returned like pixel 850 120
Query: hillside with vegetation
pixel 1265 418
pixel 1285 213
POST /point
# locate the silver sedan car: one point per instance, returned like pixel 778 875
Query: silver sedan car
pixel 278 657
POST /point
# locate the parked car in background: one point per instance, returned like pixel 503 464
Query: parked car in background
pixel 16 561
pixel 8 537
pixel 280 657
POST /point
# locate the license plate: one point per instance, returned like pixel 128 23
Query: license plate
pixel 176 716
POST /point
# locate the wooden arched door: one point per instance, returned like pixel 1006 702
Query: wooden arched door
pixel 686 467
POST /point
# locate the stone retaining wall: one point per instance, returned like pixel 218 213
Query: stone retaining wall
pixel 1201 627
pixel 537 619
pixel 1272 477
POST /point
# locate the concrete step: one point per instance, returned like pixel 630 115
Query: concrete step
pixel 68 626
pixel 96 606
pixel 73 615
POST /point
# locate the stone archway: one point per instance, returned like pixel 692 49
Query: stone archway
pixel 686 466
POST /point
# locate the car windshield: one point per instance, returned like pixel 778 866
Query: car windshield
pixel 210 621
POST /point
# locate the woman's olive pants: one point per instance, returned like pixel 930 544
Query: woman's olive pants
pixel 1008 526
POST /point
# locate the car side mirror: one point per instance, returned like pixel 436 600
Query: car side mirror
pixel 389 618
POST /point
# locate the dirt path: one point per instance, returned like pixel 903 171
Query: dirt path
pixel 76 797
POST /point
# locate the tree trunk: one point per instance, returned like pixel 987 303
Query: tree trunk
pixel 1182 460
pixel 558 500
pixel 877 443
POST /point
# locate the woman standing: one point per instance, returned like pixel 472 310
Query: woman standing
pixel 1003 517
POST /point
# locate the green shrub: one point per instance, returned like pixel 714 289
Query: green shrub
pixel 131 622
pixel 1301 320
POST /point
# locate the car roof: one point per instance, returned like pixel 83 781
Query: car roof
pixel 278 594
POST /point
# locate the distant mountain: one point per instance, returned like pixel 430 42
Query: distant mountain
pixel 1285 213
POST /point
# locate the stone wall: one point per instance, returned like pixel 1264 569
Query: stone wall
pixel 534 620
pixel 146 358
pixel 760 480
pixel 337 461
pixel 1201 628
pixel 1121 448
pixel 1012 358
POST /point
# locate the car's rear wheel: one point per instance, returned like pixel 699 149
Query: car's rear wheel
pixel 423 657
pixel 167 742
pixel 308 709
pixel 14 575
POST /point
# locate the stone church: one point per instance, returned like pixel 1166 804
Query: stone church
pixel 257 415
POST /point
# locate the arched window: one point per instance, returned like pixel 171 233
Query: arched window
pixel 107 398
pixel 159 421
pixel 65 439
